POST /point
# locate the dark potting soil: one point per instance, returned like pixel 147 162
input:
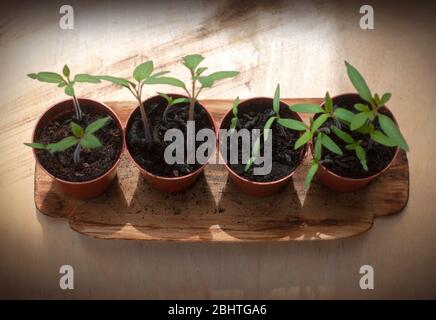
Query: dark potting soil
pixel 151 158
pixel 284 158
pixel 93 162
pixel 348 165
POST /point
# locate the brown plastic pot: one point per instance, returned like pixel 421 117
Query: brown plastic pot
pixel 255 188
pixel 167 184
pixel 83 189
pixel 339 183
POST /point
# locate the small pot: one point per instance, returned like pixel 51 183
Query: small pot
pixel 253 187
pixel 343 184
pixel 167 184
pixel 83 189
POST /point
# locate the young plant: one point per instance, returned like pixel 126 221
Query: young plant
pixel 67 82
pixel 198 81
pixel 81 138
pixel 283 122
pixel 142 74
pixel 363 121
pixel 320 135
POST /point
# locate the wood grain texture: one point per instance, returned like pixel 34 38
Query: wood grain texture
pixel 215 210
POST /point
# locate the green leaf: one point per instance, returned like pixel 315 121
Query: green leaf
pixel 66 71
pixel 381 138
pixel 143 71
pixel 62 145
pixel 359 120
pixel 292 124
pixel 254 154
pixel 200 71
pixel 319 121
pixel 208 81
pixel 305 137
pixel 97 124
pixel 358 82
pixel 69 90
pixel 267 128
pixel 385 98
pixel 328 103
pixel 82 77
pixel 235 106
pixel 342 135
pixel 366 128
pixel 360 153
pixel 119 81
pixel 310 174
pixel 166 97
pixel 377 99
pixel 276 100
pixel 62 84
pixel 256 148
pixel 361 107
pixel 318 147
pixel 77 130
pixel 50 77
pixel 233 123
pixel 89 141
pixel 33 76
pixel 35 145
pixel 181 100
pixel 249 163
pixel 160 73
pixel 192 61
pixel 392 131
pixel 165 80
pixel 331 145
pixel 343 114
pixel 306 108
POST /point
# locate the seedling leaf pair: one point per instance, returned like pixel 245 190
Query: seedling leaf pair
pixel 81 138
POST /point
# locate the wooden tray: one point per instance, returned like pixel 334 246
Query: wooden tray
pixel 214 210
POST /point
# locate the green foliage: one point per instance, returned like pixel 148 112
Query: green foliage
pixel 63 81
pixel 358 82
pixel 311 173
pixel 392 131
pixel 84 137
pixel 286 123
pixel 351 144
pixel 198 81
pixel 171 101
pixel 306 108
pixel 362 121
pixel 276 100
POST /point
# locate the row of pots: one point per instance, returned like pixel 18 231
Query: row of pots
pixel 93 188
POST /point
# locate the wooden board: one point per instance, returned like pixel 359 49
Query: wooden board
pixel 215 210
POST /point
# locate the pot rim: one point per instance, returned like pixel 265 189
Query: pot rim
pixel 110 112
pixel 358 179
pixel 303 156
pixel 193 173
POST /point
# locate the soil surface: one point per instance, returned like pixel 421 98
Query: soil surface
pixel 348 165
pixel 151 158
pixel 93 162
pixel 284 158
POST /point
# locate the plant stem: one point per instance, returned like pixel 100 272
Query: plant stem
pixel 144 118
pixel 193 100
pixel 76 155
pixel 77 109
